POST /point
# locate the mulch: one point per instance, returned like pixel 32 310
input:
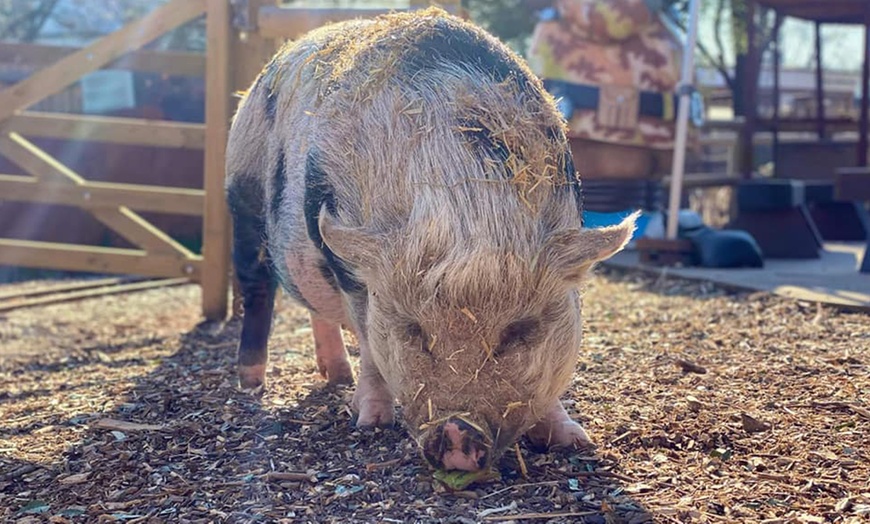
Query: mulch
pixel 707 406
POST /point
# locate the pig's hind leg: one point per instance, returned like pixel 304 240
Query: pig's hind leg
pixel 330 352
pixel 256 280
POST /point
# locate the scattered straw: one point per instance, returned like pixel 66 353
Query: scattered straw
pixel 523 469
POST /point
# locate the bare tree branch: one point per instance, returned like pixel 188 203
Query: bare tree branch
pixel 717 32
pixel 27 25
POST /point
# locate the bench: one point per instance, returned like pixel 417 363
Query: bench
pixel 838 218
pixel 775 213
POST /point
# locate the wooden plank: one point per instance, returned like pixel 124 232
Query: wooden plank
pixel 57 77
pixel 749 96
pixel 122 220
pixel 820 84
pixel 172 63
pixel 92 259
pixel 700 180
pixel 292 22
pixel 135 131
pixel 216 223
pixel 62 288
pixel 251 54
pixel 35 161
pixel 140 232
pixel 94 195
pixel 827 11
pixel 99 291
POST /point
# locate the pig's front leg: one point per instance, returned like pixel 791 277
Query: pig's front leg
pixel 372 400
pixel 330 351
pixel 557 430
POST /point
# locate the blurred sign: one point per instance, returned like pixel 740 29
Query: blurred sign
pixel 108 90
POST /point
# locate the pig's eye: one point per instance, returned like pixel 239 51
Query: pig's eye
pixel 416 334
pixel 518 334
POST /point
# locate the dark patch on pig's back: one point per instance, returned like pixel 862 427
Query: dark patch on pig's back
pixel 484 144
pixel 263 89
pixel 253 265
pixel 449 42
pixel 319 192
pixel 573 181
pixel 487 146
pixel 271 106
pixel 571 177
pixel 279 183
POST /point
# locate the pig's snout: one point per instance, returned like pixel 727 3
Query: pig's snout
pixel 456 445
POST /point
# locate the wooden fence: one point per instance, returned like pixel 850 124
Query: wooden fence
pixel 240 36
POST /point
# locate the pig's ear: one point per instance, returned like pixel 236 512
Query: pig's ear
pixel 571 253
pixel 355 246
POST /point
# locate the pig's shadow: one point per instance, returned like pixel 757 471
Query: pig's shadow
pixel 291 450
pixel 384 464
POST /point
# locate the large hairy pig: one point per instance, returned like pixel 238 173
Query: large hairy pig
pixel 407 177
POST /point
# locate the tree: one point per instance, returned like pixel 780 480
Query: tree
pixel 736 12
pixel 84 20
pixel 22 20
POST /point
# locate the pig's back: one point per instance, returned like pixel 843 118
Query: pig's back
pixel 415 104
pixel 384 121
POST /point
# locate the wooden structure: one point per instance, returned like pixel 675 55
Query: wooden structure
pixel 854 12
pixel 241 35
pixel 824 210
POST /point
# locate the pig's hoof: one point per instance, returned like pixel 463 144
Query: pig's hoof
pixel 336 373
pixel 252 377
pixel 373 412
pixel 560 435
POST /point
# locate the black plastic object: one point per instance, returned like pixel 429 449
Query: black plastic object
pixel 727 248
pixel 818 191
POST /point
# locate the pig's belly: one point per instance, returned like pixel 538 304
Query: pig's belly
pixel 303 268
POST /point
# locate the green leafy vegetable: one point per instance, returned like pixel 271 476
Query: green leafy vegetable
pixel 459 480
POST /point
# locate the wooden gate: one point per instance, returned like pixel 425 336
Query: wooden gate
pixel 118 206
pixel 240 37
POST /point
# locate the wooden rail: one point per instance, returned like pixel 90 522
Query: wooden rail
pixel 290 22
pixel 89 195
pixel 81 291
pixel 94 259
pixel 216 226
pixel 172 63
pixel 115 130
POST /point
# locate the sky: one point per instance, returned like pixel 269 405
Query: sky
pixel 841 44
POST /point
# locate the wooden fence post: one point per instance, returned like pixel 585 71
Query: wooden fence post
pixel 216 223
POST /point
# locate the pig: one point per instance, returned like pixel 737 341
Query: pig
pixel 408 178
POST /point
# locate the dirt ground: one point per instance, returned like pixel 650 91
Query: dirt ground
pixel 707 407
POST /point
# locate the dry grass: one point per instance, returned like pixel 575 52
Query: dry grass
pixel 708 407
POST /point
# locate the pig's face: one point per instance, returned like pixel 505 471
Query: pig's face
pixel 476 344
pixel 475 350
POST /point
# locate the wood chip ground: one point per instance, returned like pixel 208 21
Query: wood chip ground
pixel 707 407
